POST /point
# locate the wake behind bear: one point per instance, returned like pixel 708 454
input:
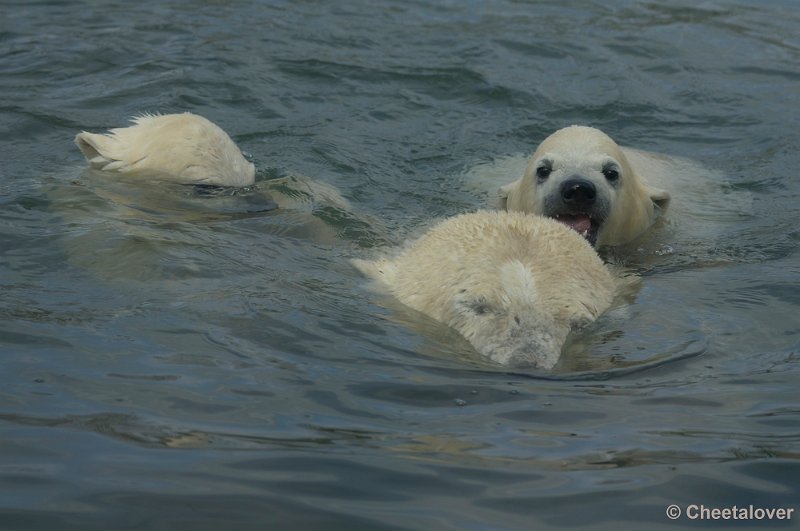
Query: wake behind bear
pixel 513 284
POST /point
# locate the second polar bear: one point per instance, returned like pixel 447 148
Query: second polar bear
pixel 514 285
pixel 581 177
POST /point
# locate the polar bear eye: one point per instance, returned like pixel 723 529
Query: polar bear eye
pixel 479 306
pixel 544 170
pixel 579 321
pixel 611 173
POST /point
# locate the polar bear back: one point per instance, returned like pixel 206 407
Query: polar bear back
pixel 472 245
pixel 182 148
pixel 512 284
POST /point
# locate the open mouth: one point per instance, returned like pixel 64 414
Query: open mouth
pixel 582 223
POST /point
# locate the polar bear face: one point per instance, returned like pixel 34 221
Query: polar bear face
pixel 514 285
pixel 580 177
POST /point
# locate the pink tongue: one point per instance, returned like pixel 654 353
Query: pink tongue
pixel 581 223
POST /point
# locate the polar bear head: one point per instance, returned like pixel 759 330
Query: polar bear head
pixel 581 177
pixel 514 285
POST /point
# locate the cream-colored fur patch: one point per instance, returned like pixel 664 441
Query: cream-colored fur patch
pixel 181 148
pixel 514 285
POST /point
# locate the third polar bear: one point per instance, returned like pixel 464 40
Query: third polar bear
pixel 581 177
pixel 514 285
pixel 182 148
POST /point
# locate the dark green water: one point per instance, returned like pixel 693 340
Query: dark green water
pixel 187 367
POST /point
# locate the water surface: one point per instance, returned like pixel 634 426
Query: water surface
pixel 171 361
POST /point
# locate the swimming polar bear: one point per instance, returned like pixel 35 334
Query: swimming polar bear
pixel 181 148
pixel 513 284
pixel 186 149
pixel 189 149
pixel 582 178
pixel 129 209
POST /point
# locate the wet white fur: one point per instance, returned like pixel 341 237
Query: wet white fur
pixel 512 284
pixel 182 148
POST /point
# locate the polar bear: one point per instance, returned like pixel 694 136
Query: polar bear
pixel 186 149
pixel 513 284
pixel 582 178
pixel 189 149
pixel 140 208
pixel 181 148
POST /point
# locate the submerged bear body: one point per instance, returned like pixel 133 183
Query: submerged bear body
pixel 514 285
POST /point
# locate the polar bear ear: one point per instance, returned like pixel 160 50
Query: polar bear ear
pixel 503 192
pixel 659 197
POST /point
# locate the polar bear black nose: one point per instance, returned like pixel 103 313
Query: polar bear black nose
pixel 578 192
